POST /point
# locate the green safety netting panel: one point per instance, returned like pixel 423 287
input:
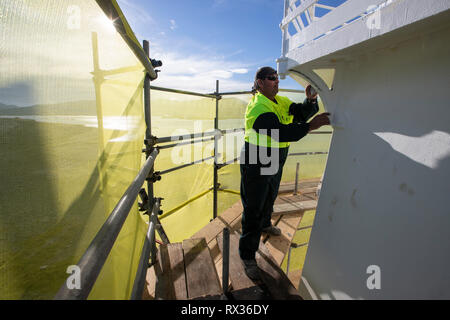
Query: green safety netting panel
pixel 174 115
pixel 71 134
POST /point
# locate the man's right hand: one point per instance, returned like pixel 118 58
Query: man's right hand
pixel 319 120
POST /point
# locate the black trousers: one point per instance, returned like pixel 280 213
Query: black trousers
pixel 258 194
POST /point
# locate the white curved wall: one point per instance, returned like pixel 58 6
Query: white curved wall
pixel 385 198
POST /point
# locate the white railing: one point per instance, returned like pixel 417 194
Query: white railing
pixel 307 20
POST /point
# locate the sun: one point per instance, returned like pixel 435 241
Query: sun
pixel 106 23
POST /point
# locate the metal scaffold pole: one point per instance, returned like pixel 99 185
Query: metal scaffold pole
pixel 148 121
pixel 149 142
pixel 216 128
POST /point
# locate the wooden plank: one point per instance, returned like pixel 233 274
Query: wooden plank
pixel 236 225
pixel 169 271
pixel 229 218
pixel 201 276
pixel 212 229
pixel 290 189
pixel 238 277
pixel 214 250
pixel 178 275
pixel 294 207
pixel 302 185
pixel 150 282
pixel 279 245
pixel 295 276
pixel 162 271
pixel 232 213
pixel 276 281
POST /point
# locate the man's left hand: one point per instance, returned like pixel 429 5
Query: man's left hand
pixel 309 94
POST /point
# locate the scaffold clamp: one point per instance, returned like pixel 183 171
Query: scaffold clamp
pixel 154 177
pixel 144 205
pixel 150 142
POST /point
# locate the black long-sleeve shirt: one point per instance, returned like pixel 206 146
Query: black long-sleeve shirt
pixel 293 131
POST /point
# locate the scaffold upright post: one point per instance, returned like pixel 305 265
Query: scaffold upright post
pixel 148 119
pixel 225 260
pixel 216 127
pixel 296 178
pixel 149 148
pixel 148 145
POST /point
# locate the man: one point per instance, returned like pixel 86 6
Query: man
pixel 271 122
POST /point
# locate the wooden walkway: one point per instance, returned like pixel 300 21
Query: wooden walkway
pixel 193 269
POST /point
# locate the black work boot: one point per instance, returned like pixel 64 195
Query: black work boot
pixel 251 269
pixel 272 230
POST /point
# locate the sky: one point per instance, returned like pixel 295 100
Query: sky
pixel 201 41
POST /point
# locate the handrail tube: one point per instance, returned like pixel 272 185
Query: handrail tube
pixel 186 136
pixel 167 146
pixel 149 242
pixel 235 93
pixel 96 254
pixel 184 165
pixel 298 245
pixel 226 131
pixel 215 95
pixel 321 132
pixel 291 90
pixel 205 95
pixel 307 153
pixel 221 165
pixel 212 133
pixel 294 13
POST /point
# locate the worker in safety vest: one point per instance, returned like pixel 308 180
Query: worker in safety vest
pixel 271 122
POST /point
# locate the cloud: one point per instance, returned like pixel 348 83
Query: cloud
pixel 240 71
pixel 218 2
pixel 199 73
pixel 173 24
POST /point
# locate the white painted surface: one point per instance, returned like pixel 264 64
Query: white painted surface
pixel 388 16
pixel 427 150
pixel 385 198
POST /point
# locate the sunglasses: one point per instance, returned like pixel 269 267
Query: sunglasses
pixel 272 78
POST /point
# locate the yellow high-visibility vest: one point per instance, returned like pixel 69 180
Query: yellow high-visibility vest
pixel 261 104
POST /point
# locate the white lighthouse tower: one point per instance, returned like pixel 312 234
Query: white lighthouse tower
pixel 382 68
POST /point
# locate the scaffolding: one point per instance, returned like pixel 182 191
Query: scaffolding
pixel 134 75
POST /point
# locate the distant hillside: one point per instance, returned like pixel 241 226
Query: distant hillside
pixel 84 107
pixel 6 107
pixel 229 108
